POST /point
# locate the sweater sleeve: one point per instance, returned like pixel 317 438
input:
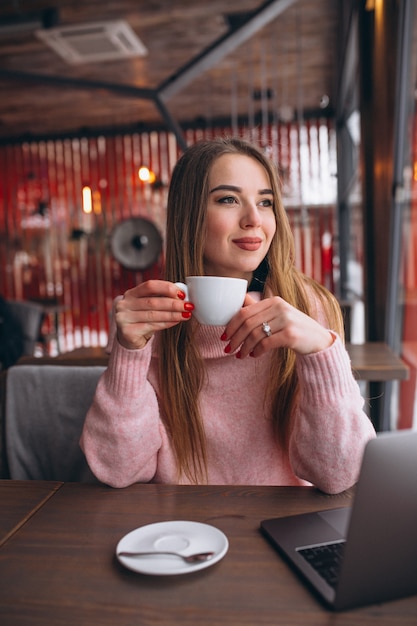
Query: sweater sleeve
pixel 330 427
pixel 122 432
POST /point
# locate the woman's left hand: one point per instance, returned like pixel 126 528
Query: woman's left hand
pixel 273 323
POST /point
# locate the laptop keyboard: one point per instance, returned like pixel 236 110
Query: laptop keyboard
pixel 325 559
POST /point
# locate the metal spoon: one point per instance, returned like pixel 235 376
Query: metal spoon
pixel 188 558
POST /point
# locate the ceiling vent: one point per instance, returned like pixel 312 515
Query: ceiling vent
pixel 95 42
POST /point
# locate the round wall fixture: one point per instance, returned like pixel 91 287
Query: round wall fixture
pixel 136 243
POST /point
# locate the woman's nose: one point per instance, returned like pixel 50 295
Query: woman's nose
pixel 251 216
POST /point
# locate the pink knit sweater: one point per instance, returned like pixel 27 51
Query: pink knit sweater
pixel 125 440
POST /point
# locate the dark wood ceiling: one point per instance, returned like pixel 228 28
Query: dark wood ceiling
pixel 196 69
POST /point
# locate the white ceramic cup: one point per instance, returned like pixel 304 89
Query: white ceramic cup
pixel 216 298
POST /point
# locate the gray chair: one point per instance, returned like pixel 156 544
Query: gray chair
pixel 45 408
pixel 30 316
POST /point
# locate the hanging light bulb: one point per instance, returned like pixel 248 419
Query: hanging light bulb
pixel 97 202
pixel 87 199
pixel 146 175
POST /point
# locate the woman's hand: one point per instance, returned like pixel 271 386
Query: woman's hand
pixel 147 308
pixel 288 328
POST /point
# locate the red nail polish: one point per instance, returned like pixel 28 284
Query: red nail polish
pixel 228 349
pixel 251 354
pixel 181 295
pixel 238 355
pixel 189 306
pixel 186 315
pixel 224 337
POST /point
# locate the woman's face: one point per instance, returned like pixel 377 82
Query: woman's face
pixel 240 217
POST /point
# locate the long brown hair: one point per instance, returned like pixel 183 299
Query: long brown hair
pixel 180 367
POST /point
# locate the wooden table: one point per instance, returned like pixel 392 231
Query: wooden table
pixel 59 567
pixel 19 501
pixel 372 361
pixel 375 361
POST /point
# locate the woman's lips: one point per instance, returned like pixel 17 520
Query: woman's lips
pixel 248 243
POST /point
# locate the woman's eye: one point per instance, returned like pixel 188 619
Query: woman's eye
pixel 227 200
pixel 266 203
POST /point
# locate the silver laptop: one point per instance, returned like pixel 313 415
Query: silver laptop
pixel 366 553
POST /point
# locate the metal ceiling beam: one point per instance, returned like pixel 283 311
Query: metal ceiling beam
pixel 20 23
pixel 121 89
pixel 171 122
pixel 78 83
pixel 223 46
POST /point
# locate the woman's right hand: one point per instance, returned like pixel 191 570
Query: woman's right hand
pixel 147 308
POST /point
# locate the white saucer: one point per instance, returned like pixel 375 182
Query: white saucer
pixel 179 536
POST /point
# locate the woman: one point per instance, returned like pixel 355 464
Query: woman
pixel 270 398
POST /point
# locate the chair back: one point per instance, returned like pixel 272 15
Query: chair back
pixel 45 408
pixel 30 316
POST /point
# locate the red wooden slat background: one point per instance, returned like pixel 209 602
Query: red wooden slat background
pixel 51 249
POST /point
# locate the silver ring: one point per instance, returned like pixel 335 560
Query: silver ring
pixel 267 329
